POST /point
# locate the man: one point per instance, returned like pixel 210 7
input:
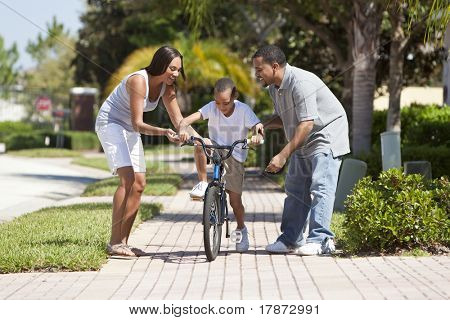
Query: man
pixel 316 127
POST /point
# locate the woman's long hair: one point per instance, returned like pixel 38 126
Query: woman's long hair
pixel 162 59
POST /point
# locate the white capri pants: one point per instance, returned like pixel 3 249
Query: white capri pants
pixel 122 148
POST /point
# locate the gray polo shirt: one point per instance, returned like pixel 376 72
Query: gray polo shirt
pixel 303 96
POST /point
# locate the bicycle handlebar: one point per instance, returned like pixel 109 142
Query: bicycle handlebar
pixel 192 139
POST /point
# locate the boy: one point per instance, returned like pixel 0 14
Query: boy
pixel 228 120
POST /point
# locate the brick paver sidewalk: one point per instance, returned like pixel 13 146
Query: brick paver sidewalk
pixel 177 267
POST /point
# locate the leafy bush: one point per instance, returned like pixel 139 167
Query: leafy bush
pixel 19 141
pixel 10 127
pixel 421 124
pixel 75 140
pixel 437 156
pixel 82 140
pixel 397 212
pixel 426 125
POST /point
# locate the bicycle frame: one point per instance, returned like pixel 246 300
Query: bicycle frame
pixel 218 161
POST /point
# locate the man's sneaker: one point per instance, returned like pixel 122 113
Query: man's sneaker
pixel 314 248
pixel 240 236
pixel 328 247
pixel 278 247
pixel 198 192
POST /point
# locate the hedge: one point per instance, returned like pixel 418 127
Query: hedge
pixel 397 212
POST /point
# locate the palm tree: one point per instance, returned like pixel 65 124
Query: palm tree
pixel 204 62
pixel 367 17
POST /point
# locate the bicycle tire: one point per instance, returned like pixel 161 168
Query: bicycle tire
pixel 212 226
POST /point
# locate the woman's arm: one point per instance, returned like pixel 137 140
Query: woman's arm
pixel 136 88
pixel 173 109
pixel 183 131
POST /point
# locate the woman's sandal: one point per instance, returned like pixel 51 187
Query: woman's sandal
pixel 138 252
pixel 120 251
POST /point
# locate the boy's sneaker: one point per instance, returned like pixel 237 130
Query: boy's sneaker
pixel 240 236
pixel 198 191
pixel 314 248
pixel 278 247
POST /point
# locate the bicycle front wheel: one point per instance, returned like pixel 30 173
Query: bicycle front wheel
pixel 212 227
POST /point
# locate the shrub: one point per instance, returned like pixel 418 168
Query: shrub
pixel 437 156
pixel 19 141
pixel 9 127
pixel 397 212
pixel 421 124
pixel 82 140
pixel 74 140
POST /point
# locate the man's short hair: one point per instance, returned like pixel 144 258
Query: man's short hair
pixel 271 54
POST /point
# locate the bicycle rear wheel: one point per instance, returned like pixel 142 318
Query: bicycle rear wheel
pixel 212 227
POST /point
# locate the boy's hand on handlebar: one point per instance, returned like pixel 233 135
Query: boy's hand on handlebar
pixel 256 139
pixel 259 129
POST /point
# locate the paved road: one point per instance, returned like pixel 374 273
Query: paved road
pixel 177 268
pixel 28 184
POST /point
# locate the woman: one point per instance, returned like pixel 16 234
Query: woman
pixel 119 125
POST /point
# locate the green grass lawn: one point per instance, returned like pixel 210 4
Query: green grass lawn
pixel 102 164
pixel 157 185
pixel 45 153
pixel 160 180
pixel 71 238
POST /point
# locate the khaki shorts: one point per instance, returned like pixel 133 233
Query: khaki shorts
pixel 234 175
pixel 234 172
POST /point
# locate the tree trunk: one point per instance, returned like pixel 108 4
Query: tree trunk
pixel 366 27
pixel 397 47
pixel 347 95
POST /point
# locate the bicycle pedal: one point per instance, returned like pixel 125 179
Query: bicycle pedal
pixel 196 198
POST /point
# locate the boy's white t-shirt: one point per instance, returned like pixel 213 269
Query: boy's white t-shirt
pixel 226 130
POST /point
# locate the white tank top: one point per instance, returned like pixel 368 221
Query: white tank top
pixel 116 108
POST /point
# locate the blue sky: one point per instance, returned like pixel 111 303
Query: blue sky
pixel 15 28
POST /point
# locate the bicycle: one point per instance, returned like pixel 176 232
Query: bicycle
pixel 215 208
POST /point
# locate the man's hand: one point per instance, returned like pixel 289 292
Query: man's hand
pixel 172 135
pixel 276 164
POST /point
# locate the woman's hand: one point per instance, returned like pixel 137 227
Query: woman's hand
pixel 183 135
pixel 171 135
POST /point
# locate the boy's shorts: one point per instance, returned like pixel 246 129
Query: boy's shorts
pixel 122 148
pixel 234 173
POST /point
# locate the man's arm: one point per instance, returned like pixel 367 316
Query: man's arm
pixel 301 132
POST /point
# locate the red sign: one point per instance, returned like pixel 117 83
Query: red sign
pixel 43 103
